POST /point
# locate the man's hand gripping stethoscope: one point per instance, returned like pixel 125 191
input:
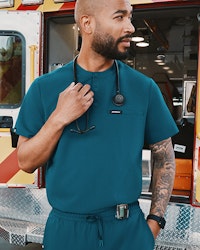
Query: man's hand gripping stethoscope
pixel 73 102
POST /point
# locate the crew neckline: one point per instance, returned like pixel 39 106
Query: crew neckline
pixel 105 72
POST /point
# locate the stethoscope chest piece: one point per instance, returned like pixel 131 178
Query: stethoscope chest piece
pixel 118 100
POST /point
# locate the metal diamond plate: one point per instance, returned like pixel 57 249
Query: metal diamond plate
pixel 24 211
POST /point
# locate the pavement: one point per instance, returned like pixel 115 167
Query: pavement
pixel 4 245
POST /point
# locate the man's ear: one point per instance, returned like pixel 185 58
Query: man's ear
pixel 86 23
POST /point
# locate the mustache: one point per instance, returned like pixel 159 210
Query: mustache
pixel 124 37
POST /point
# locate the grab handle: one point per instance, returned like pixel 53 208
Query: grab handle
pixel 33 48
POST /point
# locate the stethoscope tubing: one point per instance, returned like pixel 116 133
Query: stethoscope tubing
pixel 118 99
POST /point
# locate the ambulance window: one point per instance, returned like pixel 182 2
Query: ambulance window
pixel 12 54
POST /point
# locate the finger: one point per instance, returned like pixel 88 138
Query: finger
pixel 85 89
pixel 89 95
pixel 90 101
pixel 78 86
pixel 70 87
pixel 72 84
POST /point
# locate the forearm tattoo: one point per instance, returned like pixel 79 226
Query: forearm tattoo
pixel 163 173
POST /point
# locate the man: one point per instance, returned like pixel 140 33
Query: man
pixel 92 143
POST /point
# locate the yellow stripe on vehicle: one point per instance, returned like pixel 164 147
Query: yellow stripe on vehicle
pixel 4 130
pixel 22 177
pixel 50 6
pixel 5 148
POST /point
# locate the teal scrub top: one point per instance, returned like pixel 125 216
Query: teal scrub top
pixel 103 167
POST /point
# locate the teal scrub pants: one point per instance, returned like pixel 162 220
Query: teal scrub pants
pixel 102 231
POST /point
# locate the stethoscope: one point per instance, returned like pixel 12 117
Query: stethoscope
pixel 118 99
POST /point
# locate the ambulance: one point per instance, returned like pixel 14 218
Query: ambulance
pixel 38 36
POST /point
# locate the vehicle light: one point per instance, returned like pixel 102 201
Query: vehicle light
pixel 6 3
pixel 32 2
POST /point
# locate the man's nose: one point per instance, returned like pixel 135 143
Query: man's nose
pixel 130 28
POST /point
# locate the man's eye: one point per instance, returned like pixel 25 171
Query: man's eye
pixel 119 17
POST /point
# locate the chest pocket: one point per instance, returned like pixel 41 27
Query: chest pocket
pixel 120 122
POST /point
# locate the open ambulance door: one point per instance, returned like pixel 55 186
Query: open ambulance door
pixel 20 57
pixel 196 182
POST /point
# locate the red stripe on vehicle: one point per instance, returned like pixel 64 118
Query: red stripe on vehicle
pixel 9 167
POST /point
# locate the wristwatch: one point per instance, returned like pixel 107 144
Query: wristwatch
pixel 161 220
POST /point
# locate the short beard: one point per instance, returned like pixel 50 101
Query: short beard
pixel 106 46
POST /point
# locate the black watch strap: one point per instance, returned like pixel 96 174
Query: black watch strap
pixel 161 220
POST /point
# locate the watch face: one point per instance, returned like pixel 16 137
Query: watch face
pixel 162 222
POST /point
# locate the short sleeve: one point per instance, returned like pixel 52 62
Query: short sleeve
pixel 160 124
pixel 31 115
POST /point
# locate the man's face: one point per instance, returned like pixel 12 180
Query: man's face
pixel 107 46
pixel 113 31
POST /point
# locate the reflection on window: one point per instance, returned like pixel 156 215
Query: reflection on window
pixel 11 76
pixel 146 170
